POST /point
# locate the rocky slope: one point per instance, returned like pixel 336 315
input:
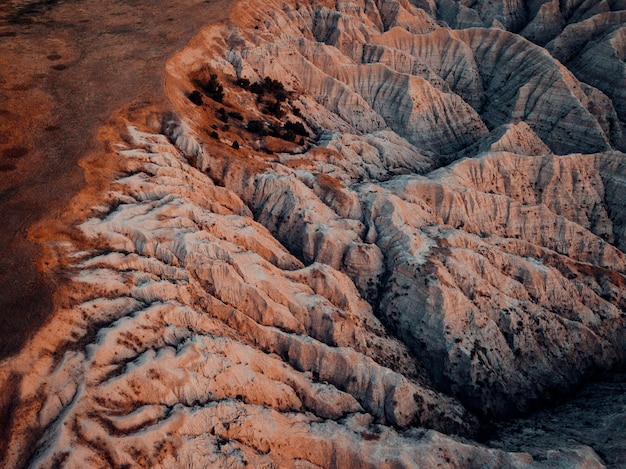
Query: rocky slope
pixel 360 234
pixel 599 405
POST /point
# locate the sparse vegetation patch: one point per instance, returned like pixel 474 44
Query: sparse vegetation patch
pixel 274 108
pixel 243 83
pixel 210 85
pixel 297 128
pixel 269 86
pixel 256 126
pixel 195 97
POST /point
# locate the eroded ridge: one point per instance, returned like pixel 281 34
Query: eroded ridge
pixel 504 274
pixel 194 337
pixel 302 267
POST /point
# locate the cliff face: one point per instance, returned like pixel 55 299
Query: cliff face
pixel 361 232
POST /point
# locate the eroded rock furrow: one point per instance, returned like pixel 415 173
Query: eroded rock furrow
pixel 358 231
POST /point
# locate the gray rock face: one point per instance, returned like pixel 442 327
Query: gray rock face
pixel 594 51
pixel 537 20
pixel 594 415
pixel 202 316
pixel 417 226
pixel 390 77
pixel 509 267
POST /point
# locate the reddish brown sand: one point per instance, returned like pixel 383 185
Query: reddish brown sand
pixel 65 67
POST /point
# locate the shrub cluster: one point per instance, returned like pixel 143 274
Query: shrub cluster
pixel 212 88
pixel 256 126
pixel 271 87
pixel 195 97
pixel 289 131
pixel 221 114
pixel 297 128
pixel 243 83
pixel 273 108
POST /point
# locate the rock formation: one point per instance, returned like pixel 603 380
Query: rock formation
pixel 594 51
pixel 361 233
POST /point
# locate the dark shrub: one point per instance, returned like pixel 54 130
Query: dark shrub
pixel 15 152
pixel 290 136
pixel 297 128
pixel 213 88
pixel 274 130
pixel 276 88
pixel 256 88
pixel 214 135
pixel 270 86
pixel 235 145
pixel 280 95
pixel 243 83
pixel 274 109
pixel 195 97
pixel 236 115
pixel 256 126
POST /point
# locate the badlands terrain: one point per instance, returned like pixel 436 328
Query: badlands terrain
pixel 350 234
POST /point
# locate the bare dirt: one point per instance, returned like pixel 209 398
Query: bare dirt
pixel 65 68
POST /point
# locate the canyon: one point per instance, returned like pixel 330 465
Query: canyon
pixel 361 233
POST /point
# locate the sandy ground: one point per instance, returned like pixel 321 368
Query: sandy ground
pixel 65 67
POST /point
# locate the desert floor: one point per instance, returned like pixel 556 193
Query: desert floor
pixel 65 67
